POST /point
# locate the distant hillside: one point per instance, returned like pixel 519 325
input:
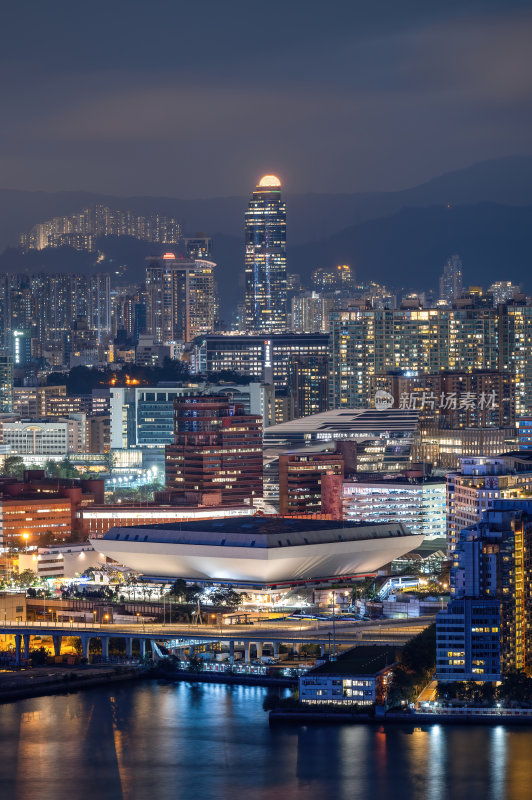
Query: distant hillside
pixel 408 249
pixel 405 250
pixel 506 181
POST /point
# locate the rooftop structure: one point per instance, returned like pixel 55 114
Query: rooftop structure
pixel 383 438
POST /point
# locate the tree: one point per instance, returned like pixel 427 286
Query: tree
pixel 178 589
pixel 66 469
pixel 47 538
pixel 192 593
pixel 13 467
pixel 27 577
pixel 51 469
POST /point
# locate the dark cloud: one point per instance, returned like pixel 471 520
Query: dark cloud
pixel 197 99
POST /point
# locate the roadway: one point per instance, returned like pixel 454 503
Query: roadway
pixel 298 631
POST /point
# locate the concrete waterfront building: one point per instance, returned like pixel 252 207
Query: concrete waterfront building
pixel 259 551
pixel 96 520
pixel 362 675
pixel 61 561
pixel 265 258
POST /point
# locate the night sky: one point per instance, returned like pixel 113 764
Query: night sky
pixel 199 99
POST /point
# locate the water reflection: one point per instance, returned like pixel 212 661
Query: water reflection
pixel 213 741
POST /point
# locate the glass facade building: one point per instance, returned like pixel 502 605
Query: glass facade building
pixel 265 258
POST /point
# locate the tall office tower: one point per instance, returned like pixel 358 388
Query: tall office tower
pixel 451 280
pixel 6 383
pixel 168 298
pixel 265 258
pixel 217 448
pixel 181 298
pixel 486 630
pixel 198 246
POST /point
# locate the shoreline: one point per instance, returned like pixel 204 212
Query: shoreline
pixel 280 717
pixel 59 685
pixel 221 677
pixel 75 680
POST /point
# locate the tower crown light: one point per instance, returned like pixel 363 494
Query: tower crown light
pixel 269 180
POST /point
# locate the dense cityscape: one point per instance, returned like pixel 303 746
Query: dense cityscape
pixel 266 457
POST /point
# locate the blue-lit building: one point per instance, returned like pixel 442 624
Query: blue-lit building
pixel 143 417
pixel 265 258
pixel 485 631
pixel 524 428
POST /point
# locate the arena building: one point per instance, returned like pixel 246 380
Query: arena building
pixel 258 551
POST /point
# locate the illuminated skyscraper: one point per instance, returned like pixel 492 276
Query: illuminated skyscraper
pixel 265 259
pixel 181 298
pixel 451 280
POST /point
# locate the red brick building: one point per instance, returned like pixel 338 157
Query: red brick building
pixel 217 447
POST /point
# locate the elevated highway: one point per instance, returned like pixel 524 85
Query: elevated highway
pixel 340 633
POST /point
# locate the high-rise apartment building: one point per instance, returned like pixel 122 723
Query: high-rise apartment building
pixel 451 280
pixel 217 448
pixel 310 313
pixel 59 314
pixel 6 383
pixel 366 343
pixel 81 230
pixel 480 483
pixel 308 382
pixel 265 258
pixel 181 301
pixel 340 277
pixel 477 399
pixel 486 630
